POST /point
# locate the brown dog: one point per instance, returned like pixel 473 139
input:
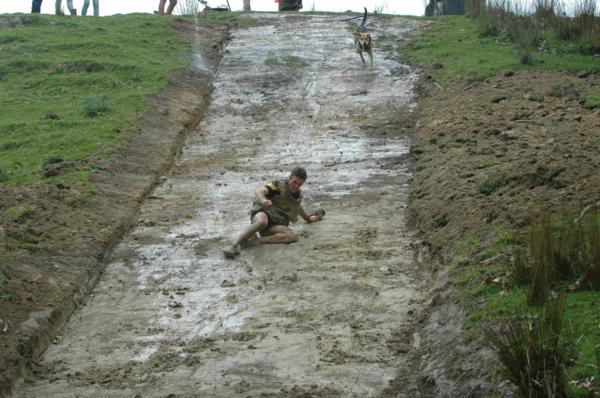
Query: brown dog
pixel 362 41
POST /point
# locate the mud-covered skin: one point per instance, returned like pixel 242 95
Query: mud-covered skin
pixel 319 317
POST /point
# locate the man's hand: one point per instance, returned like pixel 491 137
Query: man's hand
pixel 314 218
pixel 266 203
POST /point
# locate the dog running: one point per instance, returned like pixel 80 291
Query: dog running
pixel 362 41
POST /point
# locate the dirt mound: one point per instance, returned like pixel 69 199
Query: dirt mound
pixel 492 154
pixel 44 287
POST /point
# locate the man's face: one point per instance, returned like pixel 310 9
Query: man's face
pixel 295 183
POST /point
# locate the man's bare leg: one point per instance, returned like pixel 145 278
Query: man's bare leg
pixel 260 221
pixel 278 234
pixel 161 7
pixel 172 4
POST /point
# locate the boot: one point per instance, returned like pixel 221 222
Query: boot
pixel 231 251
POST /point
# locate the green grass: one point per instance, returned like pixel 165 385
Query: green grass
pixel 456 44
pixel 15 213
pixel 74 88
pixel 488 294
pixel 592 99
pixel 581 314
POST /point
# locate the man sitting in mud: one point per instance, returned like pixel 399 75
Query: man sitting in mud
pixel 275 206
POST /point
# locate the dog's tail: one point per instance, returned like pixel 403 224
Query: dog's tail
pixel 364 18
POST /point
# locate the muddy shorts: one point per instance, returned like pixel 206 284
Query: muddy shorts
pixel 255 212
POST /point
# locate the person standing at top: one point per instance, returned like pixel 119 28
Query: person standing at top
pixel 161 7
pixel 58 7
pixel 36 6
pixel 96 6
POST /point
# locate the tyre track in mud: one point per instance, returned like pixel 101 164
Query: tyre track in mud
pixel 171 316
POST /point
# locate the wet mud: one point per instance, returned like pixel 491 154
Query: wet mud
pixel 171 317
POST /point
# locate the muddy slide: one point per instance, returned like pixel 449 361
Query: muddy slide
pixel 171 317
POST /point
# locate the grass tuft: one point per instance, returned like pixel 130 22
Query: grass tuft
pixel 51 160
pixel 3 176
pixel 492 183
pixel 592 100
pixel 534 351
pixel 95 105
pixel 16 214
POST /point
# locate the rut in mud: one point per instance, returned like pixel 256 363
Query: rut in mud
pixel 170 315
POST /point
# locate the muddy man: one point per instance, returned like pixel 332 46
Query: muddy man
pixel 275 206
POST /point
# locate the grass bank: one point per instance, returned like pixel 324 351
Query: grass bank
pixel 73 88
pixel 455 48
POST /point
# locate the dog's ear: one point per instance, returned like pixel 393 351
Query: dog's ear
pixel 356 34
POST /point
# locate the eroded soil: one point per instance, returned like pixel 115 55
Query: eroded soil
pixel 490 156
pixel 171 317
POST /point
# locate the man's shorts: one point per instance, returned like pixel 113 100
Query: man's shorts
pixel 255 212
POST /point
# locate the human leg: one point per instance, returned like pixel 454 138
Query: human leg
pixel 161 7
pixel 58 7
pixel 72 9
pixel 84 8
pixel 36 6
pixel 172 4
pixel 260 221
pixel 278 234
pixel 96 8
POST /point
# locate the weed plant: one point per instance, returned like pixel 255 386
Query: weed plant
pixel 492 183
pixel 535 351
pixel 532 25
pixel 95 105
pixel 592 100
pixel 560 251
pixel 474 8
pixel 542 254
pixel 458 44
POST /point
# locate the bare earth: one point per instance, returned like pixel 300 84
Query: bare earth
pixel 533 129
pixel 171 317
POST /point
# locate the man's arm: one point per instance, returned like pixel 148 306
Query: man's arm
pixel 314 217
pixel 261 197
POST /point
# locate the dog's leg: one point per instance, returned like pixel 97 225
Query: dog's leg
pixel 361 56
pixel 371 57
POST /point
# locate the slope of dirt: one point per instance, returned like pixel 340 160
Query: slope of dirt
pixel 44 287
pixel 492 154
pixel 172 317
